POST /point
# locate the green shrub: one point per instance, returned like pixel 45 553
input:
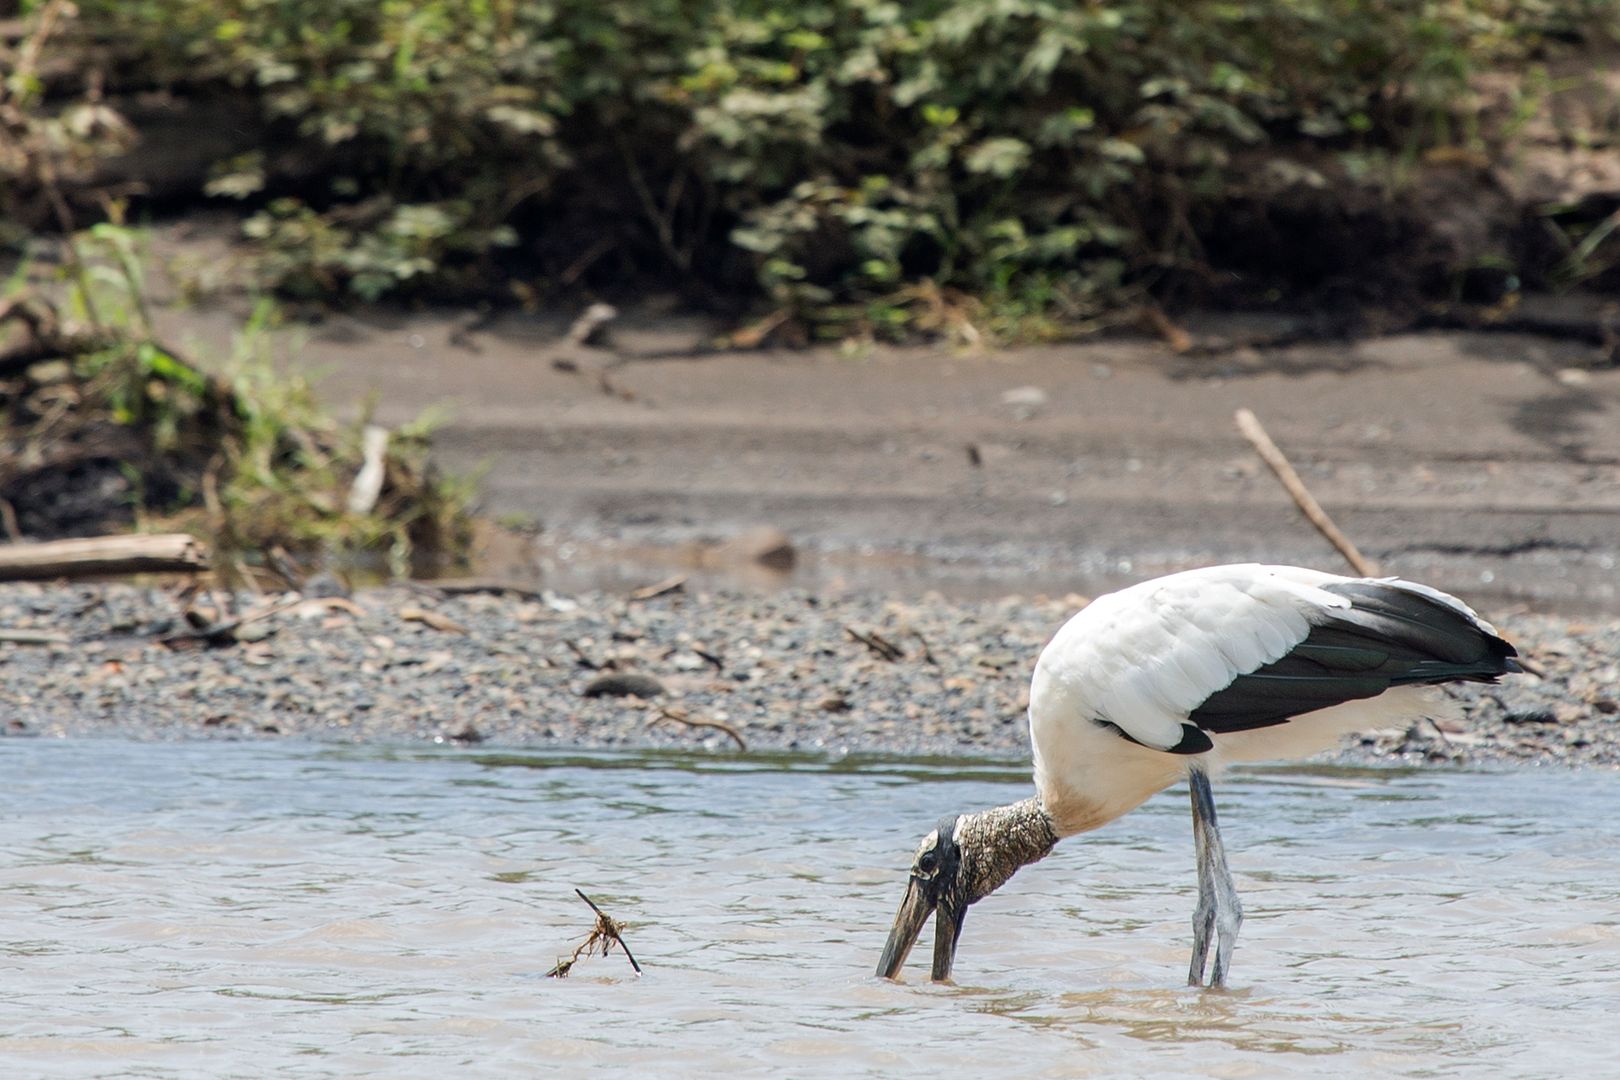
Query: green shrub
pixel 832 155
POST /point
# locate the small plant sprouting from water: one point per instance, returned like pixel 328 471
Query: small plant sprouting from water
pixel 603 936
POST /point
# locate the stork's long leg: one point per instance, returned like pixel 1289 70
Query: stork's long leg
pixel 1219 911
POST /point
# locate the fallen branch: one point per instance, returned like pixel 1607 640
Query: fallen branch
pixel 584 658
pixel 471 586
pixel 1249 425
pixel 668 585
pixel 33 637
pixel 603 936
pixel 927 653
pixel 680 717
pixel 880 645
pixel 588 329
pixel 432 619
pixel 103 555
pixel 368 482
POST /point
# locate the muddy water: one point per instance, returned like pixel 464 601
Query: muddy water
pixel 247 910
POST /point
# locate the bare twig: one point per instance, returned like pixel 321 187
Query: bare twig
pixel 584 659
pixel 583 261
pixel 33 637
pixel 1249 425
pixel 668 585
pixel 880 645
pixel 1174 336
pixel 661 219
pixel 754 335
pixel 472 586
pixel 927 653
pixel 607 933
pixel 680 717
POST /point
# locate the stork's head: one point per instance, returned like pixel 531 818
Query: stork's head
pixel 938 883
pixel 964 860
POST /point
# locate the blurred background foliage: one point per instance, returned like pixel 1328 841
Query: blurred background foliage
pixel 892 166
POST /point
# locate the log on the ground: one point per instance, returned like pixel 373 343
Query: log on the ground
pixel 99 556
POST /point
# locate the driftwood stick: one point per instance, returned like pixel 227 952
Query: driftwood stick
pixel 368 482
pixel 33 637
pixel 1249 425
pixel 604 935
pixel 611 928
pixel 103 555
pixel 680 716
pixel 668 585
pixel 881 646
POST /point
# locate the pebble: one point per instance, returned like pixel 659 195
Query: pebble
pixel 785 673
pixel 623 684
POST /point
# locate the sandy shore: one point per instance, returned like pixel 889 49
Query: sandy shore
pixel 776 671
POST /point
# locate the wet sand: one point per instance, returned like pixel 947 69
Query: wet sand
pixel 1487 464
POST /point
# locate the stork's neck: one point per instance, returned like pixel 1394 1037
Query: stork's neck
pixel 995 843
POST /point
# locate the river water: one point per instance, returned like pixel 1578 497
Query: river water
pixel 299 910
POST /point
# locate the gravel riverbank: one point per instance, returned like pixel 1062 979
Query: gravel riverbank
pixel 776 671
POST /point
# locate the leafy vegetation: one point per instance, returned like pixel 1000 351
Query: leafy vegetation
pixel 104 425
pixel 879 164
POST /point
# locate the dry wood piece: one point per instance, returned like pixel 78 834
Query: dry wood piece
pixel 607 933
pixel 880 645
pixel 33 637
pixel 590 327
pixel 470 586
pixel 679 715
pixel 368 482
pixel 668 585
pixel 103 555
pixel 1249 424
pixel 431 618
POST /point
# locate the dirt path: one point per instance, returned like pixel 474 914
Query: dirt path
pixel 1484 463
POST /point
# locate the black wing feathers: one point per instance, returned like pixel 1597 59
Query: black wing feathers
pixel 1389 636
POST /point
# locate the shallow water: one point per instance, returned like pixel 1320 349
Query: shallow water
pixel 226 910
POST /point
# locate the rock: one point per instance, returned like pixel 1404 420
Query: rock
pixel 1567 712
pixel 1536 715
pixel 1025 396
pixel 623 684
pixel 764 545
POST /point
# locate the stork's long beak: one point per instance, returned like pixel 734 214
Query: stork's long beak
pixel 908 924
pixel 947 931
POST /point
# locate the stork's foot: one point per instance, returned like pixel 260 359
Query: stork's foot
pixel 1217 924
pixel 1227 921
pixel 1203 927
pixel 1219 913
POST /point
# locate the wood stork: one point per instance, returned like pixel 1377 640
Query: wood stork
pixel 1176 677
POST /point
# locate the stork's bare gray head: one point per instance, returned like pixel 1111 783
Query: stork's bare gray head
pixel 938 883
pixel 965 859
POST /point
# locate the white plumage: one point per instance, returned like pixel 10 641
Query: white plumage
pixel 1172 678
pixel 1142 659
